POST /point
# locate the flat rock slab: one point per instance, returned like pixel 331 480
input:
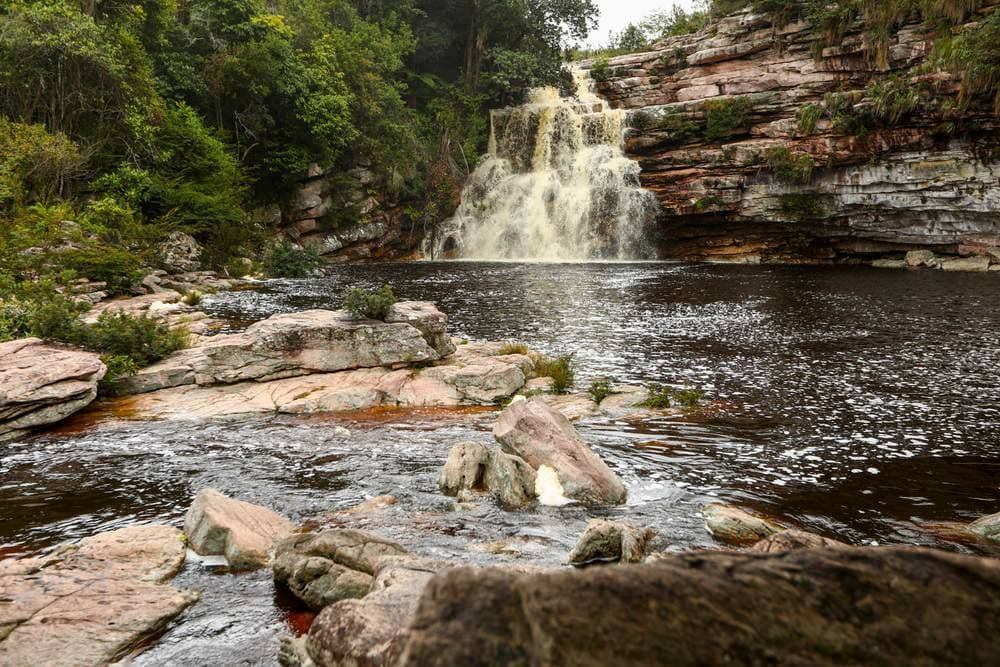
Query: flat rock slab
pixel 242 532
pixel 41 384
pixel 90 603
pixel 811 607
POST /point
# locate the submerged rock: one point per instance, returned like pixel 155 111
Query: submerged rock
pixel 611 542
pixel 242 532
pixel 793 540
pixel 92 602
pixel 540 435
pixel 811 607
pixel 735 526
pixel 41 384
pixel 972 264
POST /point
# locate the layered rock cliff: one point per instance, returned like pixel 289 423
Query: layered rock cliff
pixel 763 147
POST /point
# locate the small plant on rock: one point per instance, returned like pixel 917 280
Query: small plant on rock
pixel 688 398
pixel 658 397
pixel 560 370
pixel 120 366
pixel 514 348
pixel 600 390
pixel 364 304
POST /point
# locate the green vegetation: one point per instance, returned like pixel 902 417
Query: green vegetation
pixel 975 55
pixel 807 117
pixel 804 205
pixel 600 390
pixel 515 348
pixel 789 166
pixel 560 369
pixel 707 202
pixel 367 305
pixel 119 368
pixel 600 71
pixel 662 397
pixel 728 117
pixel 287 260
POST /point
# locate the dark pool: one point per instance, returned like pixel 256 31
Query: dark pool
pixel 859 403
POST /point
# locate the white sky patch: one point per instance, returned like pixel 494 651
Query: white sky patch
pixel 616 14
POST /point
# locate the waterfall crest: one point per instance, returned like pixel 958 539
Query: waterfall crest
pixel 555 186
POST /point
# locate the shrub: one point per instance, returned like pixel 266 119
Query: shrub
pixel 661 397
pixel 600 390
pixel 286 260
pixel 728 117
pixel 515 348
pixel 366 305
pixel 560 369
pixel 600 71
pixel 688 398
pixel 144 339
pixel 120 269
pixel 893 98
pixel 193 298
pixel 119 367
pixel 803 204
pixel 796 167
pixel 806 118
pixel 975 55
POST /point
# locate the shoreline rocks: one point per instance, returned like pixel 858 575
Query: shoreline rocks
pixel 611 542
pixel 733 525
pixel 92 602
pixel 42 384
pixel 242 532
pixel 473 467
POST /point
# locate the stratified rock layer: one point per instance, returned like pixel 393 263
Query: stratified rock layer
pixel 42 384
pixel 90 603
pixel 812 607
pixel 928 180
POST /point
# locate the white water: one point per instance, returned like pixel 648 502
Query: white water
pixel 555 186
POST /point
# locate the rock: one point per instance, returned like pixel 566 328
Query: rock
pixel 372 505
pixel 889 264
pixel 541 436
pixel 917 258
pixel 242 532
pixel 319 582
pixel 41 384
pixel 987 528
pixel 353 549
pixel 625 400
pixel 92 602
pixel 294 344
pixel 180 253
pixel 611 542
pixel 810 607
pixel 369 632
pixel 793 540
pixel 735 526
pixel 476 468
pixel 972 264
pixel 426 318
pixel 573 407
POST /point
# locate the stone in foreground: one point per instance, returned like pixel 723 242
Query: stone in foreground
pixel 477 468
pixel 811 607
pixel 92 602
pixel 794 539
pixel 242 532
pixel 540 435
pixel 735 526
pixel 41 384
pixel 611 542
pixel 987 528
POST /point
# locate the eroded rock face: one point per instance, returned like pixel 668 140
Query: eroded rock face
pixel 242 532
pixel 42 384
pixel 611 542
pixel 480 469
pixel 735 526
pixel 90 603
pixel 180 253
pixel 902 186
pixel 540 435
pixel 711 608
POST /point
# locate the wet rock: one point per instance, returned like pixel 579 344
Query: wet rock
pixel 426 318
pixel 369 631
pixel 242 532
pixel 611 542
pixel 319 581
pixel 290 345
pixel 572 406
pixel 41 384
pixel 970 264
pixel 372 505
pixel 473 467
pixel 92 602
pixel 889 264
pixel 810 607
pixel 482 380
pixel 987 528
pixel 918 258
pixel 626 400
pixel 735 526
pixel 180 253
pixel 353 549
pixel 793 540
pixel 541 436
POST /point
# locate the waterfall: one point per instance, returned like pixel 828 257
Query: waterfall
pixel 555 186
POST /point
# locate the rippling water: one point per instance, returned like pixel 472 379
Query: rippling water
pixel 858 403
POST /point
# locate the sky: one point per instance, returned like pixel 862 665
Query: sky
pixel 616 14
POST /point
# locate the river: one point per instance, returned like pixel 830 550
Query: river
pixel 853 402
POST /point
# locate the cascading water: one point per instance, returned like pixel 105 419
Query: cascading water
pixel 555 186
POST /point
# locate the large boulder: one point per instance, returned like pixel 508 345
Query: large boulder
pixel 92 602
pixel 180 253
pixel 542 436
pixel 295 344
pixel 811 607
pixel 242 532
pixel 42 384
pixel 736 526
pixel 426 318
pixel 611 542
pixel 329 566
pixel 477 468
pixel 368 632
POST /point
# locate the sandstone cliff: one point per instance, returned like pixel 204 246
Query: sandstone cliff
pixel 761 146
